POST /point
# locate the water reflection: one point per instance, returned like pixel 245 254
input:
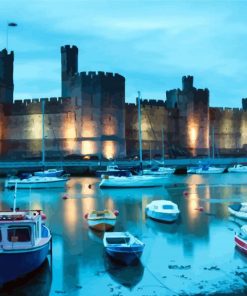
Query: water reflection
pixel 37 283
pixel 128 276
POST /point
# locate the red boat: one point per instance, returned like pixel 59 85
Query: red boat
pixel 241 239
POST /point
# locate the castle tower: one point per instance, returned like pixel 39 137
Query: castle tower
pixel 6 76
pixel 187 83
pixel 69 62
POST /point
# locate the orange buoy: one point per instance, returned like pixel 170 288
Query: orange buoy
pixel 86 216
pixel 65 197
pixel 185 193
pixel 201 209
pixel 116 212
pixel 89 186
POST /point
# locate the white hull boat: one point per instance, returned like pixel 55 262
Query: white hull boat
pixel 241 239
pixel 239 168
pixel 49 173
pixel 209 170
pixel 131 182
pixel 36 182
pixel 101 220
pixel 163 210
pixel 238 210
pixel 161 171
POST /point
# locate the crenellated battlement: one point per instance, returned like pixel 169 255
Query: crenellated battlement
pixel 226 110
pixel 97 74
pixel 4 53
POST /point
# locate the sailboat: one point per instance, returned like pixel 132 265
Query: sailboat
pixel 38 181
pixel 160 170
pixel 133 181
pixel 206 168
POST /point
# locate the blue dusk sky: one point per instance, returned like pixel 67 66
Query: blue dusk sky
pixel 152 43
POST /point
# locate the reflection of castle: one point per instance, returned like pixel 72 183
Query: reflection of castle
pixel 92 117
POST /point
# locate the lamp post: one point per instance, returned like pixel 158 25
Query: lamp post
pixel 7 32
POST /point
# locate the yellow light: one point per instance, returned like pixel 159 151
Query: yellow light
pixel 88 147
pixel 109 149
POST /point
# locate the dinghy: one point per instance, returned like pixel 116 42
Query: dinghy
pixel 238 168
pixel 123 246
pixel 163 210
pixel 102 220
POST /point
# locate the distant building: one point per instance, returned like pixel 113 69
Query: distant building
pixel 91 118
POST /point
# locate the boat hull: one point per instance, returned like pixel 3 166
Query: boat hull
pixel 18 263
pixel 215 171
pixel 37 185
pixel 131 182
pixel 238 214
pixel 126 255
pixel 241 244
pixel 102 225
pixel 165 217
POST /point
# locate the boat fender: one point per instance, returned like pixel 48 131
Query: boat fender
pixel 185 193
pixel 116 212
pixel 86 216
pixel 43 216
pixel 65 197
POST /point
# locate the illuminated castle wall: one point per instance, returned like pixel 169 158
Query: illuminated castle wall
pixel 92 118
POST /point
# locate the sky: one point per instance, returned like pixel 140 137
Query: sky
pixel 151 43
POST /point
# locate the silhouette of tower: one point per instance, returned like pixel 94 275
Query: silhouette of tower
pixel 69 61
pixel 6 76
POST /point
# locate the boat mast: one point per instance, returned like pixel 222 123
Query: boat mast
pixel 43 131
pixel 139 128
pixel 213 142
pixel 14 206
pixel 163 146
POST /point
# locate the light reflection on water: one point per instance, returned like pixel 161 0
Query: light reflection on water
pixel 200 241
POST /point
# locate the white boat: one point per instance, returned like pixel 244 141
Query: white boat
pixel 239 210
pixel 101 220
pixel 159 172
pixel 238 168
pixel 123 246
pixel 209 170
pixel 163 210
pixel 49 173
pixel 113 170
pixel 131 182
pixel 36 182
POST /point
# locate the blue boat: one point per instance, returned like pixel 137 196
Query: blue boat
pixel 24 243
pixel 123 246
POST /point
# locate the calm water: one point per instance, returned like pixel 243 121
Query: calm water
pixel 195 255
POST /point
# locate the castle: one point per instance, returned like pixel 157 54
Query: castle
pixel 91 118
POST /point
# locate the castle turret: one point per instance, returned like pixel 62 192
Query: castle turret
pixel 69 61
pixel 187 82
pixel 6 76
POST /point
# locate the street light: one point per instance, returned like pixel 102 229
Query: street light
pixel 7 33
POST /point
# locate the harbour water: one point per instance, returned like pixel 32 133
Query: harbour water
pixel 194 256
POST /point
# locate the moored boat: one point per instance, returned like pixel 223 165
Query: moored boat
pixel 131 182
pixel 209 170
pixel 49 173
pixel 113 170
pixel 163 210
pixel 239 210
pixel 238 168
pixel 159 171
pixel 241 239
pixel 25 243
pixel 123 246
pixel 36 182
pixel 102 220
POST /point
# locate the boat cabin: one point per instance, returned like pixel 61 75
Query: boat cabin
pixel 20 229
